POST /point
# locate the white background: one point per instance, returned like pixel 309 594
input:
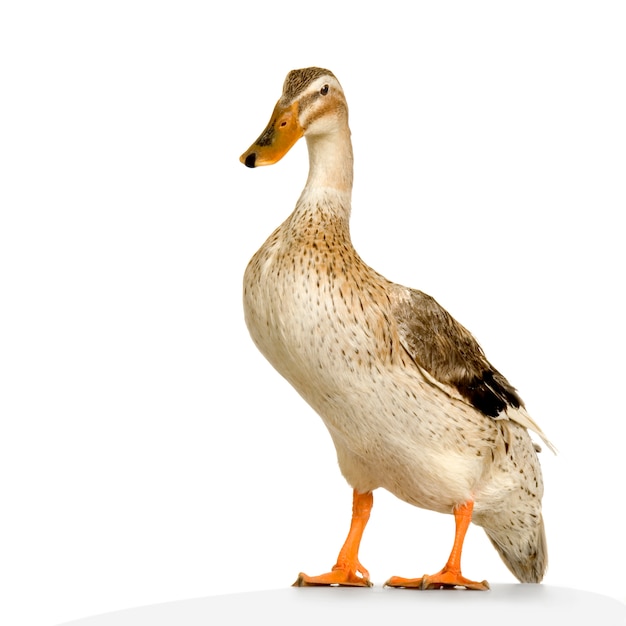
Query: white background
pixel 147 451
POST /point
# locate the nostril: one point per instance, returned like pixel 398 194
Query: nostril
pixel 250 160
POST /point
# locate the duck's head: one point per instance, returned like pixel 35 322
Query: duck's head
pixel 312 103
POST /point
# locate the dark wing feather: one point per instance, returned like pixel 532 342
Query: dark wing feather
pixel 451 355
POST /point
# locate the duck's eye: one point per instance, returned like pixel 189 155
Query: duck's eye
pixel 324 90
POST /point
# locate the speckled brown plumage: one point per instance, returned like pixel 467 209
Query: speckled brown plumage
pixel 409 398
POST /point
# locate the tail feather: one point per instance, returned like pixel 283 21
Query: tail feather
pixel 525 554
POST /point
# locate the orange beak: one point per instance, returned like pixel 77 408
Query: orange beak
pixel 277 139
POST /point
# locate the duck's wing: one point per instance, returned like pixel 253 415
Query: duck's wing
pixel 450 356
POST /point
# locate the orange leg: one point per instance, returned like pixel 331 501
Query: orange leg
pixel 450 576
pixel 347 571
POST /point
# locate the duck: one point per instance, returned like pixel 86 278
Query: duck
pixel 405 391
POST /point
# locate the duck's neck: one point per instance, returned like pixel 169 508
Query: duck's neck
pixel 329 185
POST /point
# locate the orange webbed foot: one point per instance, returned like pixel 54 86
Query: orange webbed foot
pixel 445 579
pixel 450 576
pixel 347 571
pixel 341 575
